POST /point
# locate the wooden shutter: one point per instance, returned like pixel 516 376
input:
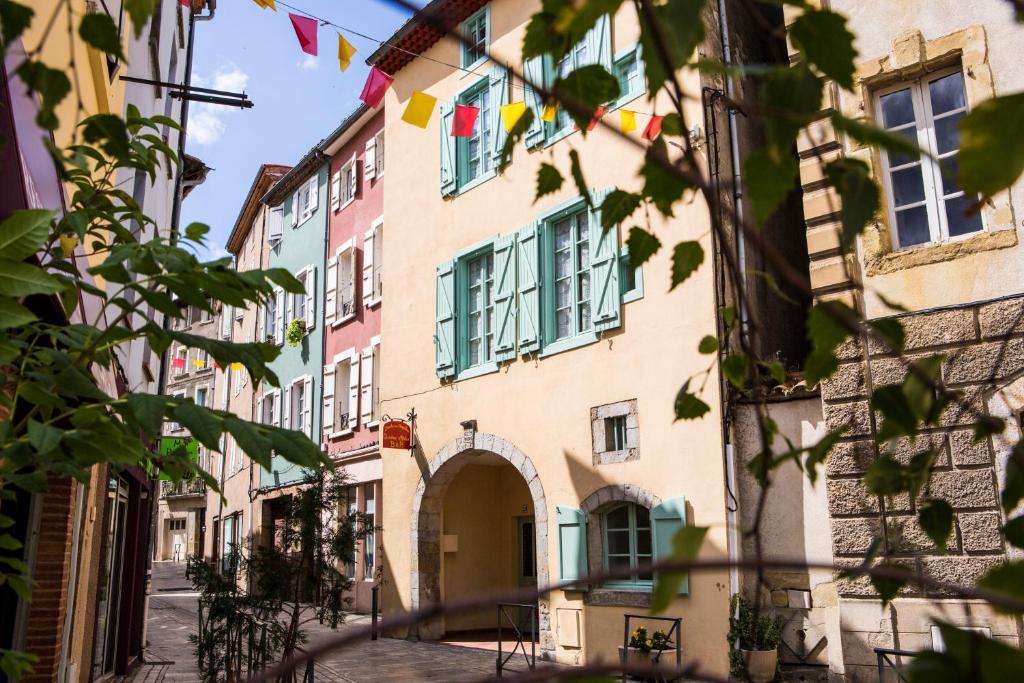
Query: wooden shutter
pixel 275 409
pixel 449 178
pixel 311 297
pixel 605 297
pixel 295 208
pixel 336 190
pixel 599 43
pixel 366 413
pixel 307 406
pixel 572 543
pixel 259 410
pixel 528 262
pixel 370 159
pixel 261 315
pixel 379 137
pixel 279 316
pixel 353 178
pixel 353 391
pixel 368 267
pixel 314 188
pixel 666 520
pixel 505 297
pixel 444 333
pixel 327 409
pixel 275 225
pixel 347 282
pixel 533 71
pixel 331 290
pixel 286 409
pixel 498 97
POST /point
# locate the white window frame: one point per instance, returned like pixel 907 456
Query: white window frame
pixel 931 172
pixel 349 182
pixel 176 426
pixel 350 360
pixel 275 225
pixel 307 299
pixel 373 159
pixel 206 397
pixel 344 260
pixel 373 263
pixel 181 352
pixel 369 384
pixel 305 194
pixel 274 395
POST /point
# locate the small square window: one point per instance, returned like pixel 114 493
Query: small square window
pixel 615 433
pixel 476 30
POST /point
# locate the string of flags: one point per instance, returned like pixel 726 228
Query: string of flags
pixel 179 364
pixel 420 107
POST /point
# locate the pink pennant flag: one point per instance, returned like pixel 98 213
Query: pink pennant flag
pixel 593 122
pixel 377 83
pixel 186 3
pixel 653 129
pixel 305 31
pixel 178 363
pixel 465 119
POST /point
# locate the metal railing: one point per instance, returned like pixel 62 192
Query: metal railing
pixel 503 614
pixel 888 660
pixel 673 637
pixel 187 487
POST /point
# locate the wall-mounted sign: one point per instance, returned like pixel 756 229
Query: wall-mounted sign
pixel 396 434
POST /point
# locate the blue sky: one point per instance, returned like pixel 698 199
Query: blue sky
pixel 298 99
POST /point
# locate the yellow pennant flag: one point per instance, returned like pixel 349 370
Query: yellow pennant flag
pixel 419 109
pixel 511 113
pixel 198 363
pixel 266 3
pixel 236 366
pixel 345 51
pixel 550 110
pixel 627 120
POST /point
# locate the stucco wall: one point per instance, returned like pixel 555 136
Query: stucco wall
pixel 542 405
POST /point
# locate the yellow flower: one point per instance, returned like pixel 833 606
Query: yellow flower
pixel 648 642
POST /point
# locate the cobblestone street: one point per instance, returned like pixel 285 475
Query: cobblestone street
pixel 173 616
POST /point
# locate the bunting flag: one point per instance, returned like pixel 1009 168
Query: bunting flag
pixel 262 3
pixel 178 363
pixel 550 111
pixel 419 109
pixel 511 113
pixel 345 52
pixel 627 120
pixel 653 129
pixel 464 120
pixel 305 31
pixel 236 366
pixel 216 366
pixel 185 3
pixel 198 363
pixel 377 83
pixel 593 122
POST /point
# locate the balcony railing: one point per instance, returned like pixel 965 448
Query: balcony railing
pixel 190 487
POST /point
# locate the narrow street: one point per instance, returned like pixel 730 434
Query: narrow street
pixel 173 616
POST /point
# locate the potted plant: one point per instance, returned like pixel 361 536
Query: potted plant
pixel 643 648
pixel 296 331
pixel 754 639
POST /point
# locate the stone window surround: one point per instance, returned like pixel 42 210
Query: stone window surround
pixel 598 415
pixel 593 505
pixel 912 56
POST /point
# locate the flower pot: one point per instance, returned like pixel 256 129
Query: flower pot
pixel 634 656
pixel 761 664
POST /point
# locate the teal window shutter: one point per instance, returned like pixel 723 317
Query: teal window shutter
pixel 572 543
pixel 599 43
pixel 606 299
pixel 444 335
pixel 666 520
pixel 505 298
pixel 533 71
pixel 449 178
pixel 499 98
pixel 529 287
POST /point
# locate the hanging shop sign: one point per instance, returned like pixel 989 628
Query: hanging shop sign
pixel 396 434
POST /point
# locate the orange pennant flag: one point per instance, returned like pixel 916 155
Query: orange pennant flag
pixel 550 111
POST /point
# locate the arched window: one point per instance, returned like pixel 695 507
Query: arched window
pixel 626 528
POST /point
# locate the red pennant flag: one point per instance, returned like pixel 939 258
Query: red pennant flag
pixel 186 3
pixel 305 31
pixel 465 119
pixel 653 129
pixel 178 363
pixel 377 83
pixel 593 122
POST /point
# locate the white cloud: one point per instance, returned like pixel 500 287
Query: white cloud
pixel 310 63
pixel 206 121
pixel 215 251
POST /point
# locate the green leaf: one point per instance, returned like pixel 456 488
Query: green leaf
pixel 98 29
pixel 870 134
pixel 969 657
pixel 886 477
pixel 795 93
pixel 936 518
pixel 249 439
pixel 148 411
pixel 891 330
pixel 194 232
pixel 662 185
pixel 734 367
pixel 770 177
pixel 13 314
pixel 14 19
pixel 24 232
pixel 989 159
pixel 576 170
pixel 686 258
pixel 1013 531
pixel 688 406
pixel 776 370
pixel 888 587
pixel 686 545
pixel 1006 578
pixel 549 181
pixel 899 417
pixel 52 85
pixel 587 87
pixel 680 26
pixel 8 542
pixel 109 133
pixel 140 11
pixel 708 344
pixel 618 206
pixel 825 41
pixel 1013 489
pixel 43 438
pixel 296 448
pixel 202 423
pixel 642 246
pixel 817 453
pixel 852 180
pixel 21 279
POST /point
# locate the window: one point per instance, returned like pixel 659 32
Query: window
pixel 347 283
pixel 479 319
pixel 370 540
pixel 201 396
pixel 475 159
pixel 373 160
pixel 576 58
pixel 180 361
pixel 925 204
pixel 176 426
pixel 176 524
pixel 373 249
pixel 631 280
pixel 269 406
pixel 271 322
pixel 476 30
pixel 239 312
pixel 344 184
pixel 629 70
pixel 569 264
pixel 615 433
pixel 298 406
pixel 202 360
pixel 275 225
pixel 379 155
pixel 369 386
pixel 352 510
pixel 342 379
pixel 304 201
pixel 226 318
pixel 626 529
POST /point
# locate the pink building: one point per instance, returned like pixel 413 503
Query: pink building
pixel 352 308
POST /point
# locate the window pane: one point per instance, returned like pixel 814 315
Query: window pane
pixel 898 158
pixel 563 264
pixel 643 542
pixel 643 515
pixel 949 168
pixel 956 216
pixel 618 542
pixel 947 93
pixel 618 561
pixel 947 133
pixel 563 323
pixel 562 294
pixel 897 108
pixel 907 186
pixel 618 518
pixel 912 225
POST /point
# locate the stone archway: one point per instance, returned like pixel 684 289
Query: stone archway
pixel 426 523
